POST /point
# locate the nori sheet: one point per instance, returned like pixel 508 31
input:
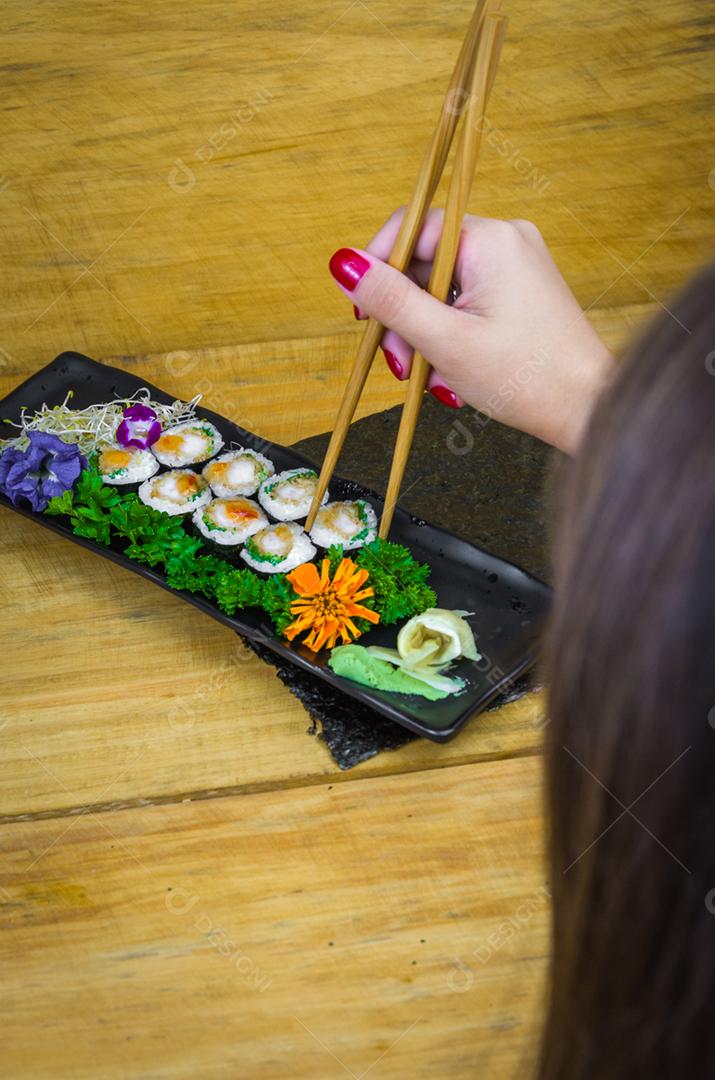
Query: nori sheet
pixel 351 730
pixel 474 477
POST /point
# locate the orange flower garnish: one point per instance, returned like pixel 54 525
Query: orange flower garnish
pixel 326 607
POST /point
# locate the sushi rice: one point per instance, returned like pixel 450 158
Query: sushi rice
pixel 229 522
pixel 187 443
pixel 238 472
pixel 126 464
pixel 279 548
pixel 177 492
pixel 350 524
pixel 287 495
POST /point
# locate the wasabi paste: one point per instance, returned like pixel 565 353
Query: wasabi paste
pixel 356 663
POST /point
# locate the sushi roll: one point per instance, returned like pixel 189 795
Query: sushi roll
pixel 229 522
pixel 278 548
pixel 126 464
pixel 287 495
pixel 237 472
pixel 350 524
pixel 187 443
pixel 177 492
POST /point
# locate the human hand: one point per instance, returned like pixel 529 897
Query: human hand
pixel 515 344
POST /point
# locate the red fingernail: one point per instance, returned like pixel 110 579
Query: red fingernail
pixel 393 363
pixel 445 396
pixel 347 267
pixel 356 312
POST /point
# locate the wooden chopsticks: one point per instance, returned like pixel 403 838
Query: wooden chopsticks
pixel 425 186
pixel 446 254
pixel 472 77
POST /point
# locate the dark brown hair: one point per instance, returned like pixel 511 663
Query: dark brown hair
pixel 630 663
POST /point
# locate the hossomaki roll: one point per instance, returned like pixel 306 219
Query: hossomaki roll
pixel 187 443
pixel 237 472
pixel 287 495
pixel 229 522
pixel 180 491
pixel 126 464
pixel 278 548
pixel 348 523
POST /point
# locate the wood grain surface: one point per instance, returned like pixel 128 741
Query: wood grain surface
pixel 176 176
pixel 394 926
pixel 188 886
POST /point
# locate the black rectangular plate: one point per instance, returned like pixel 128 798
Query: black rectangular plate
pixel 509 604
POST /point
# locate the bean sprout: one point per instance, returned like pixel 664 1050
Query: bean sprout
pixel 96 425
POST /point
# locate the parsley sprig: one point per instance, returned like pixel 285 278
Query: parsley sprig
pixel 398 580
pixel 99 512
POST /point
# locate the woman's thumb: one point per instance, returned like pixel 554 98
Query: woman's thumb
pixel 394 300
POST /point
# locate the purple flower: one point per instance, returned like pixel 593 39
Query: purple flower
pixel 139 427
pixel 48 467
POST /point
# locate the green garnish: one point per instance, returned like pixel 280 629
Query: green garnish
pixel 99 512
pixel 398 580
pixel 278 595
pixel 89 506
pixel 237 589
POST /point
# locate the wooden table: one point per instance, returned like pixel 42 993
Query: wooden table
pixel 188 886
